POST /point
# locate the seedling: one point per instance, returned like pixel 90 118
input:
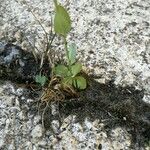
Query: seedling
pixel 70 73
pixel 64 77
pixel 40 79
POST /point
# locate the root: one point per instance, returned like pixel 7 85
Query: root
pixel 54 93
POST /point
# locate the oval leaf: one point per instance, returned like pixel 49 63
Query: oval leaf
pixel 40 79
pixel 62 22
pixel 75 69
pixel 61 71
pixel 80 83
pixel 72 53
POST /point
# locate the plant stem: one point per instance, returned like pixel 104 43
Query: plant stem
pixel 67 54
pixel 66 49
pixel 46 34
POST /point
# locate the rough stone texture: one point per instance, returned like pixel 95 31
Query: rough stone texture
pixel 113 39
pixel 112 36
pixel 20 128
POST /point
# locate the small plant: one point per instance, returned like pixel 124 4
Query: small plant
pixel 41 79
pixel 69 73
pixel 65 78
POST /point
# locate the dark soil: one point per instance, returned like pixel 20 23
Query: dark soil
pixel 19 65
pixel 115 106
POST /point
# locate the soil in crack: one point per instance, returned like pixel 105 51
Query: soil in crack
pixel 115 106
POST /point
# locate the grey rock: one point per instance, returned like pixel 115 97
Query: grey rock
pixel 117 33
pixel 37 132
pixel 113 42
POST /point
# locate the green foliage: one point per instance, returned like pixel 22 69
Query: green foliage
pixel 79 82
pixel 71 77
pixel 61 71
pixel 62 22
pixel 75 69
pixel 72 53
pixel 41 79
pixel 70 73
pixel 67 81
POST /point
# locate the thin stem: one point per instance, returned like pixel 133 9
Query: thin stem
pixel 50 43
pixel 46 34
pixel 50 37
pixel 34 47
pixel 67 54
pixel 66 49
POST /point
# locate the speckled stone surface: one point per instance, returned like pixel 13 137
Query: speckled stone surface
pixel 113 40
pixel 113 37
pixel 20 128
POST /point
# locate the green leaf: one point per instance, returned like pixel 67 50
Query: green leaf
pixel 68 81
pixel 80 83
pixel 62 21
pixel 75 69
pixel 41 79
pixel 72 53
pixel 61 71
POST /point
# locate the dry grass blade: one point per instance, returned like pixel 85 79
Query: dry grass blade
pixel 49 37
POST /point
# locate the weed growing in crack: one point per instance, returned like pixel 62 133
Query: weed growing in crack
pixel 41 79
pixel 69 73
pixel 65 78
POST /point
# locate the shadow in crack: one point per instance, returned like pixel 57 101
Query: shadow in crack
pixel 115 106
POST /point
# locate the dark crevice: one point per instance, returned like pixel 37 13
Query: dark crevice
pixel 115 106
